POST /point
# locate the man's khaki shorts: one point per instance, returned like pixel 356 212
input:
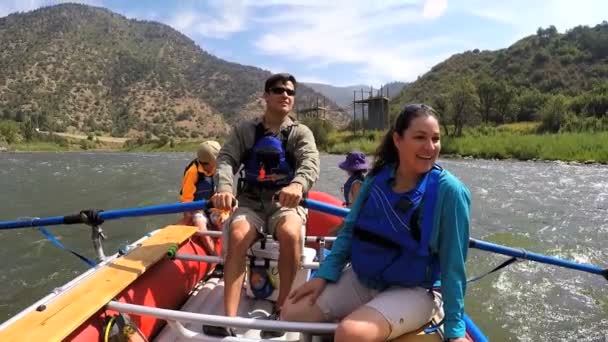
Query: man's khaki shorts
pixel 264 216
pixel 405 309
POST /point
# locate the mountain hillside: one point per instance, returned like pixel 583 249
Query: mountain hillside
pixel 78 68
pixel 574 63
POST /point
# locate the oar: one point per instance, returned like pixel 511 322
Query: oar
pixel 545 259
pixel 84 216
pixel 483 245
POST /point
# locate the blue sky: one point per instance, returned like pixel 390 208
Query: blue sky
pixel 346 42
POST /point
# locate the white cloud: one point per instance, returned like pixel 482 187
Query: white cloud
pixel 313 79
pixel 567 14
pixel 434 8
pixel 323 34
pixel 527 15
pixel 219 20
pixel 183 21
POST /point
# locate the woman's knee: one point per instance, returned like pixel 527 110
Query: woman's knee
pixel 365 324
pixel 355 331
pixel 301 311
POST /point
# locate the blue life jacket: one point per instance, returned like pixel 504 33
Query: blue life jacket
pixel 261 282
pixel 358 176
pixel 204 185
pixel 267 163
pixel 388 245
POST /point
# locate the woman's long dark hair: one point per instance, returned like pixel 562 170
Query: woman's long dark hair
pixel 387 153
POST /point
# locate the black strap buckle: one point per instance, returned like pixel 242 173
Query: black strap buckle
pixel 91 217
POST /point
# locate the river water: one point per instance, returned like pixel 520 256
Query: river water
pixel 551 208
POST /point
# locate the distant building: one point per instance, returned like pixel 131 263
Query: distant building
pixel 373 109
pixel 376 113
pixel 316 109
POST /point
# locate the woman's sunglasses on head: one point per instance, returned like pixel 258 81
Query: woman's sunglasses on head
pixel 415 107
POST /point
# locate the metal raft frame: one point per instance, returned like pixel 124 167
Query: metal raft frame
pixel 220 260
pixel 309 332
pixel 175 318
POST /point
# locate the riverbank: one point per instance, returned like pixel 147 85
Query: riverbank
pixel 63 146
pixel 514 141
pixel 38 146
pixel 71 145
pixel 182 146
pixel 569 147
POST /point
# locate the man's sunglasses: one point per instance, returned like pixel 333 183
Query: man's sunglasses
pixel 281 90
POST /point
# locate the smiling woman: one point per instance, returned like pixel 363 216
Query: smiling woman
pixel 392 236
pixel 416 140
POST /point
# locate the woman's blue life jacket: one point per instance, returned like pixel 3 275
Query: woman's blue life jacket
pixel 205 186
pixel 357 176
pixel 389 246
pixel 267 164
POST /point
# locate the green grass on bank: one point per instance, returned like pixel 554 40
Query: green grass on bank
pixel 565 146
pixel 511 141
pixel 344 142
pixel 165 145
pixel 41 146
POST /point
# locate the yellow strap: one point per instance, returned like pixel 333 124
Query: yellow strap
pixel 106 335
